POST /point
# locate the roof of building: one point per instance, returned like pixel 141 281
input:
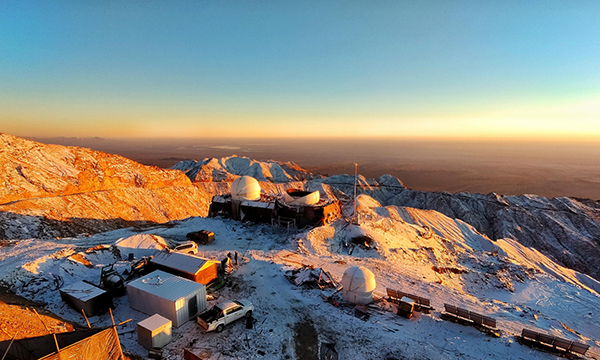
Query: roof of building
pixel 82 290
pixel 258 204
pixel 165 285
pixel 154 322
pixel 182 262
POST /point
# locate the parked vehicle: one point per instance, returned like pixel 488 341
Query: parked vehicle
pixel 201 237
pixel 224 313
pixel 189 247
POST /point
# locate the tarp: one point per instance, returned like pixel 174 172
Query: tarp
pixel 88 344
pixel 102 346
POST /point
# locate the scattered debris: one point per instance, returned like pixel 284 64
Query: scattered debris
pixel 138 268
pixel 361 312
pixel 310 276
pixel 78 257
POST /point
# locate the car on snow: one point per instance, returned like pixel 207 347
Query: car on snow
pixel 224 313
pixel 189 247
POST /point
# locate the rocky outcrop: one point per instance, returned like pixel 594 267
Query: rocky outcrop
pixel 382 189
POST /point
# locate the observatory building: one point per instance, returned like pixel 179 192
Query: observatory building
pixel 292 209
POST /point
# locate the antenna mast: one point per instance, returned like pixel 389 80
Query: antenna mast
pixel 354 219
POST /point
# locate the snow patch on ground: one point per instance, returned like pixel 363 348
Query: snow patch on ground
pixel 421 252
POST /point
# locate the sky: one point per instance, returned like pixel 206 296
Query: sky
pixel 217 69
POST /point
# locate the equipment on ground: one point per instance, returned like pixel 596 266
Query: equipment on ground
pixel 111 280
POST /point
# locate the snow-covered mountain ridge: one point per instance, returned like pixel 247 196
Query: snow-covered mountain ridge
pixel 565 229
pixel 53 190
pixel 228 168
pixel 30 169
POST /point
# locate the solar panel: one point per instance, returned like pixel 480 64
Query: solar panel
pixel 391 293
pixel 529 334
pixel 579 348
pixel 477 318
pixel 562 343
pixel 546 339
pixel 463 313
pixel 424 302
pixel 451 309
pixel 488 321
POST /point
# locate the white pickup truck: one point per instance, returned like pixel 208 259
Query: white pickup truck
pixel 224 313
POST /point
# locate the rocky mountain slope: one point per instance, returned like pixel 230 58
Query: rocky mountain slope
pixel 52 190
pixel 564 229
pixel 228 168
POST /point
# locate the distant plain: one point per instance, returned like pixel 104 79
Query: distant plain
pixel 551 169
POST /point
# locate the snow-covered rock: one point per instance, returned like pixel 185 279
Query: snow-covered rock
pixel 229 168
pixel 564 229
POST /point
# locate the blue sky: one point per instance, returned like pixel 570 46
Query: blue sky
pixel 263 69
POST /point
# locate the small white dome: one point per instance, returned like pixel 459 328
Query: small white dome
pixel 305 200
pixel 358 284
pixel 245 188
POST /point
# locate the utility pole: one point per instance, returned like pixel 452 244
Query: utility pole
pixel 354 219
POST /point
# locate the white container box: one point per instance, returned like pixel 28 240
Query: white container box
pixel 154 332
pixel 173 297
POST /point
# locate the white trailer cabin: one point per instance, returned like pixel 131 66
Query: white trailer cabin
pixel 171 296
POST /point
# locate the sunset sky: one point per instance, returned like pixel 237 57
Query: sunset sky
pixel 138 69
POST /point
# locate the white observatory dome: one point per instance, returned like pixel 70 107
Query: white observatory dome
pixel 245 188
pixel 358 284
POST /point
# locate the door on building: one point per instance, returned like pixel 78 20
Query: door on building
pixel 193 306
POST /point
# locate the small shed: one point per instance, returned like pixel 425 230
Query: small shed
pixel 154 332
pixel 187 266
pixel 87 297
pixel 173 297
